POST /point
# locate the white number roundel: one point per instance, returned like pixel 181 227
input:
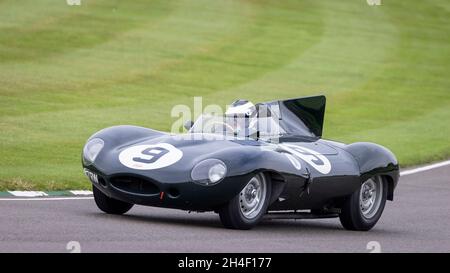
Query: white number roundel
pixel 150 157
pixel 313 158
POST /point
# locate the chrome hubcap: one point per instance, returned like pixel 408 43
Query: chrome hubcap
pixel 251 198
pixel 370 197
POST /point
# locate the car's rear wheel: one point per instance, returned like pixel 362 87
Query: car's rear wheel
pixel 110 205
pixel 246 209
pixel 362 210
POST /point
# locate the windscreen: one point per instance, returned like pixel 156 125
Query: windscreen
pixel 302 116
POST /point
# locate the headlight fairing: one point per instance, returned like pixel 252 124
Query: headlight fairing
pixel 209 172
pixel 92 149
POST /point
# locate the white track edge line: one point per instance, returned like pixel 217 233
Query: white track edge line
pixel 425 168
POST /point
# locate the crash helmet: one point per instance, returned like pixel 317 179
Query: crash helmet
pixel 241 108
pixel 241 115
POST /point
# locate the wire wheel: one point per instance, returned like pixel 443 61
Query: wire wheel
pixel 253 196
pixel 370 197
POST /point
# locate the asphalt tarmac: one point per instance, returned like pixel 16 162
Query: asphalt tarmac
pixel 417 221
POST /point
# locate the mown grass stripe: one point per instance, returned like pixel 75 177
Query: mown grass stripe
pixel 67 72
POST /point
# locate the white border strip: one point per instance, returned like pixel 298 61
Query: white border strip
pixel 425 168
pixel 28 193
pixel 81 192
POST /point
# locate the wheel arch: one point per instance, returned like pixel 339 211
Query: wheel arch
pixel 390 185
pixel 374 159
pixel 278 183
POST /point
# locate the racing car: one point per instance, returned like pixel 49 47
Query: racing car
pixel 255 161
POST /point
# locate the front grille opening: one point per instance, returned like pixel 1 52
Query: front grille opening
pixel 134 185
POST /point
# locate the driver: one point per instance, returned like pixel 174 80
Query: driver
pixel 241 118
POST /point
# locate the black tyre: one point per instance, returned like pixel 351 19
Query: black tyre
pixel 247 209
pixel 110 205
pixel 362 210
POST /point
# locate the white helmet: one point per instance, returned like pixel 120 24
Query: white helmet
pixel 241 115
pixel 242 108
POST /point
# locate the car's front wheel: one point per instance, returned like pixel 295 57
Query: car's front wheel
pixel 110 205
pixel 246 209
pixel 362 210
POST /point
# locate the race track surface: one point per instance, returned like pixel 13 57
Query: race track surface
pixel 418 221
